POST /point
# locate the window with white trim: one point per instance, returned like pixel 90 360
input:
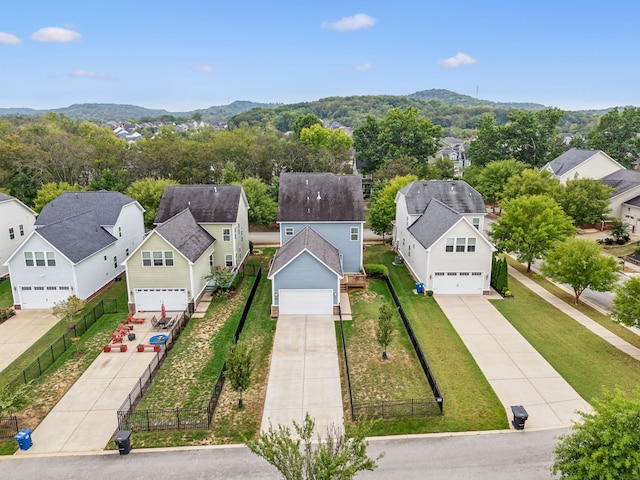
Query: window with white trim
pixel 12 235
pixel 355 234
pixel 40 259
pixel 228 260
pixel 115 261
pixel 119 231
pixel 157 258
pixel 471 244
pixel 460 244
pixel 226 234
pixel 21 228
pixel 28 259
pixel 449 245
pixel 51 259
pixel 288 231
pixel 476 222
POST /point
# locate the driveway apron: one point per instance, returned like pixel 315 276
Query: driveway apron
pixel 518 374
pixel 304 376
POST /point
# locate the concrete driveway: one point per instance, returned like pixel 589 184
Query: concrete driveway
pixel 304 375
pixel 21 331
pixel 515 370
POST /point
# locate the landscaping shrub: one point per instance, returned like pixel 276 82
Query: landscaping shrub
pixel 499 274
pixel 6 313
pixel 375 270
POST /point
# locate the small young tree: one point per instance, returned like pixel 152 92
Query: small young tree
pixel 68 308
pixel 221 278
pixel 626 303
pixel 339 456
pixel 385 328
pixel 239 367
pixel 606 444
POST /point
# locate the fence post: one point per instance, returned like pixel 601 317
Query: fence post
pixel 39 367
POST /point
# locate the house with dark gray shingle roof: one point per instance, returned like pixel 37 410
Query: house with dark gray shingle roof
pixel 438 233
pixel 77 248
pixel 16 223
pixel 170 266
pixel 623 201
pixel 321 217
pixel 581 163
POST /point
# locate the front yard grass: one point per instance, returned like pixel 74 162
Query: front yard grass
pixel 469 401
pixel 585 360
pixel 6 298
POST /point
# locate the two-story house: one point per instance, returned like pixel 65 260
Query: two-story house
pixel 16 224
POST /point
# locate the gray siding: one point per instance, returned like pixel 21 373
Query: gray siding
pixel 339 235
pixel 305 272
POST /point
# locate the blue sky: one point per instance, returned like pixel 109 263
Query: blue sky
pixel 182 56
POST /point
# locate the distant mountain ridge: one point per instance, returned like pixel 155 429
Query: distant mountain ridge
pixel 120 112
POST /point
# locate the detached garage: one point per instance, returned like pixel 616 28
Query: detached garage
pixel 305 275
pixel 151 299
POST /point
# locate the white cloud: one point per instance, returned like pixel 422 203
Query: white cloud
pixel 55 34
pixel 346 24
pixel 84 73
pixel 9 39
pixel 203 68
pixel 459 59
pixel 362 68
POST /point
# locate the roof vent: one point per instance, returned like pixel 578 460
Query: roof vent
pixel 318 197
pixel 215 189
pixel 307 181
pixel 308 210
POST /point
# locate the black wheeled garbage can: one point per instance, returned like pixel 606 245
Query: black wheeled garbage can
pixel 520 416
pixel 123 441
pixel 23 437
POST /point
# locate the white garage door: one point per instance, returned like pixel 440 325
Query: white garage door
pixel 461 283
pixel 42 297
pixel 306 302
pixel 151 299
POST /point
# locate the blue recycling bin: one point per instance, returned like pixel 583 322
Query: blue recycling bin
pixel 23 437
pixel 419 287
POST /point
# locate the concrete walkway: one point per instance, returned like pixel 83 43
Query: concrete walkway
pixel 85 419
pixel 577 315
pixel 515 370
pixel 304 375
pixel 21 331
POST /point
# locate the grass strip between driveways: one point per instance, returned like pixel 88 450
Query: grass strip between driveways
pixel 469 401
pixel 586 361
pixel 6 298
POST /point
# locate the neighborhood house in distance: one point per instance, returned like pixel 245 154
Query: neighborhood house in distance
pixel 77 248
pixel 16 224
pixel 321 217
pixel 199 228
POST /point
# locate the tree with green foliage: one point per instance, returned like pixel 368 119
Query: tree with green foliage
pixel 626 303
pixel 304 121
pixel 493 179
pixel 585 200
pixel 383 208
pixel 580 263
pixel 14 399
pixel 230 174
pixel 605 444
pixel 108 180
pixel 262 208
pixel 530 226
pixel 365 143
pixel 69 307
pixel 385 328
pixel 488 145
pixel 239 365
pixel 337 455
pixel 148 192
pixel 317 136
pixel 50 191
pixel 441 169
pixel 617 134
pixel 531 181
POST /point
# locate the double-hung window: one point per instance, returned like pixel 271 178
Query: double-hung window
pixel 471 244
pixel 12 235
pixel 226 234
pixel 288 231
pixel 460 243
pixel 355 234
pixel 449 245
pixel 51 259
pixel 146 259
pixel 28 259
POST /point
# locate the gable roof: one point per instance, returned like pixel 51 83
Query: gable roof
pixel 572 158
pixel 310 241
pixel 434 223
pixel 320 197
pixel 7 198
pixel 455 194
pixel 189 238
pixel 4 197
pixel 622 181
pixel 634 201
pixel 77 237
pixel 208 203
pixel 105 207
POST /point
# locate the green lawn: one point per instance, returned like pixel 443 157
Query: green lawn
pixel 469 401
pixel 6 298
pixel 585 360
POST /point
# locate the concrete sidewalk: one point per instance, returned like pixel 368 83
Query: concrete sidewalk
pixel 21 331
pixel 577 315
pixel 515 370
pixel 304 375
pixel 85 419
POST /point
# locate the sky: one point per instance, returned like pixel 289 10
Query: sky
pixel 183 56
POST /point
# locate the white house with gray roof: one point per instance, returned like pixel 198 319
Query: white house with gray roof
pixel 170 266
pixel 77 248
pixel 625 199
pixel 16 224
pixel 438 233
pixel 581 163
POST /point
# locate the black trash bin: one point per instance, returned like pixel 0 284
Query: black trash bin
pixel 520 416
pixel 123 441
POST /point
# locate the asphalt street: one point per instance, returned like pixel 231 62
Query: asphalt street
pixel 525 455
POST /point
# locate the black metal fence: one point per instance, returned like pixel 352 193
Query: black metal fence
pixel 147 420
pixel 8 426
pixel 416 346
pixel 62 344
pixel 413 407
pixel 346 365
